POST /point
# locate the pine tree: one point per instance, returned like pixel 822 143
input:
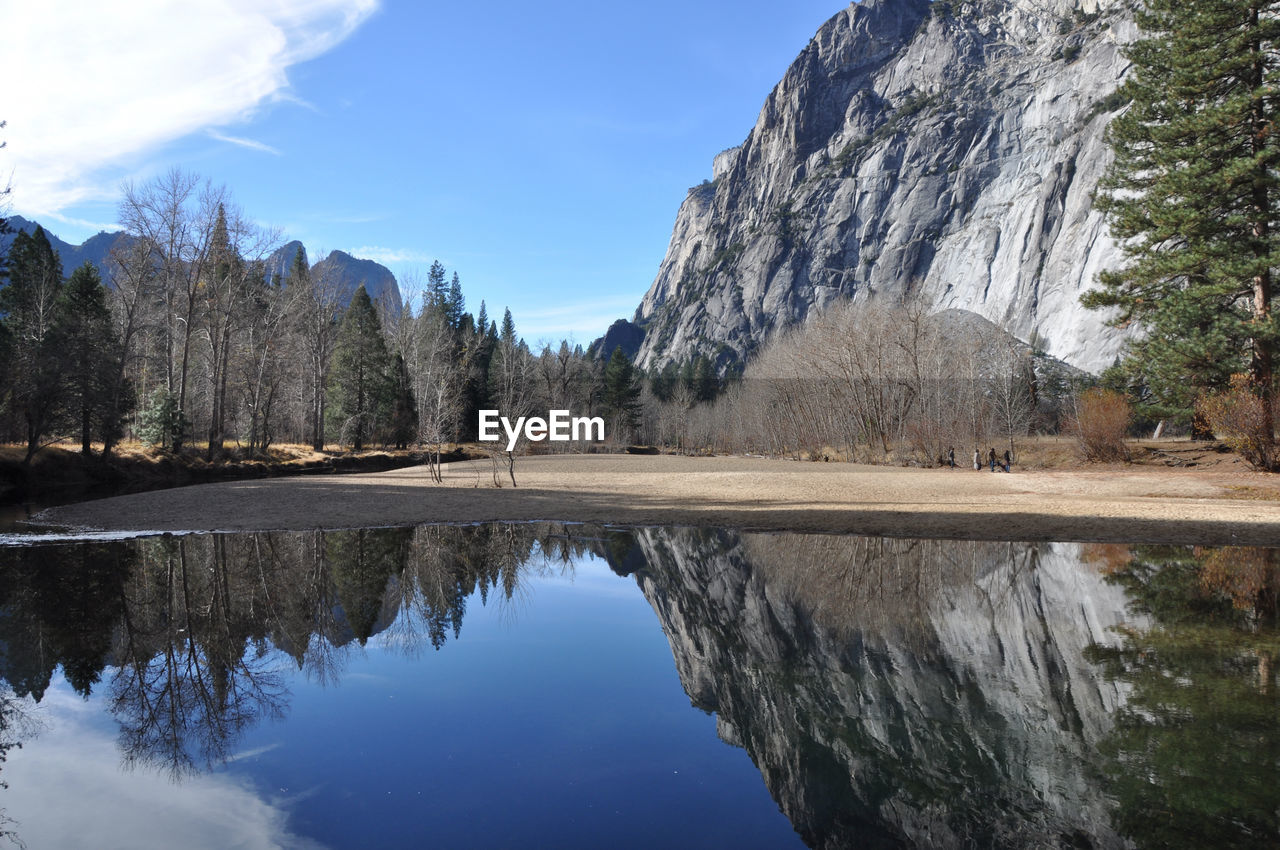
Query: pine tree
pixel 223 290
pixel 299 272
pixel 89 351
pixel 437 288
pixel 28 305
pixel 361 386
pixel 508 333
pixel 455 304
pixel 404 408
pixel 621 391
pixel 1193 194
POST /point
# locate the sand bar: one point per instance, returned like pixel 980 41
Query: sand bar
pixel 1122 504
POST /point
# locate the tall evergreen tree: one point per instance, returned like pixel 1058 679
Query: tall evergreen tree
pixel 28 307
pixel 699 377
pixel 361 386
pixel 90 352
pixel 621 391
pixel 1193 195
pixel 404 407
pixel 299 272
pixel 437 287
pixel 508 332
pixel 224 294
pixel 455 305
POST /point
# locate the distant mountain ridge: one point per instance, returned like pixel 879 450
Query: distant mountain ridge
pixel 94 249
pixel 349 272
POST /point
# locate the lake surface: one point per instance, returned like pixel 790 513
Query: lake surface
pixel 574 686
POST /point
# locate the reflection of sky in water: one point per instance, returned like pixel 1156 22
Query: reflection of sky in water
pixel 67 789
pixel 555 719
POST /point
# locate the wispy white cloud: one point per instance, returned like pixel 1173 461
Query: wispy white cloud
pixel 379 254
pixel 351 218
pixel 251 144
pixel 578 308
pixel 85 224
pixel 581 320
pixel 105 88
pixel 253 753
pixel 289 97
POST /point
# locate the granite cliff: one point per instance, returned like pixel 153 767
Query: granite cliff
pixel 949 150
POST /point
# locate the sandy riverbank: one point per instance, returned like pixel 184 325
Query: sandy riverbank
pixel 1129 504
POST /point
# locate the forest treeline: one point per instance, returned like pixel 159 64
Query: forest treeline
pixel 194 342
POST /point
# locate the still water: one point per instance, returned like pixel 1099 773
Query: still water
pixel 574 686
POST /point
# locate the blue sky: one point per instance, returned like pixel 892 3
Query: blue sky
pixel 539 150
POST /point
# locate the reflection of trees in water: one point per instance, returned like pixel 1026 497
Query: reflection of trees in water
pixel 17 724
pixel 58 606
pixel 891 587
pixel 196 630
pixel 193 668
pixel 55 609
pixel 1194 760
pixel 447 565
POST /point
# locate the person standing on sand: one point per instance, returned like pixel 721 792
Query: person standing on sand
pixel 977 461
pixel 1008 460
pixel 951 457
pixel 991 459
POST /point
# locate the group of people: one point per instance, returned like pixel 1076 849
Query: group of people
pixel 992 460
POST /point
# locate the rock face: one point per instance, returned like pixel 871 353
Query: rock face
pixel 621 334
pixel 948 150
pixel 350 273
pixel 900 692
pixel 280 263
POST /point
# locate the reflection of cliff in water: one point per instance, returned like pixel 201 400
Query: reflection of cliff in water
pixel 930 693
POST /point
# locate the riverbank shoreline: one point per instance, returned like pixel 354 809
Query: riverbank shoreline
pixel 57 475
pixel 1110 504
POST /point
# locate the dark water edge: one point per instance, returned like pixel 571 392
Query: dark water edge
pixel 60 477
pixel 707 687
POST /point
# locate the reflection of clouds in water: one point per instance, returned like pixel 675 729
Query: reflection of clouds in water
pixel 66 790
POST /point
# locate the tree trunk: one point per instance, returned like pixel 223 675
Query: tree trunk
pixel 86 430
pixel 33 444
pixel 1261 369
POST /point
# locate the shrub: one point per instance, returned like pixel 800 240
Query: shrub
pixel 1238 417
pixel 1099 424
pixel 161 422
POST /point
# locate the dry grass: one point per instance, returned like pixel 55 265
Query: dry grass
pixel 1124 504
pixel 1252 494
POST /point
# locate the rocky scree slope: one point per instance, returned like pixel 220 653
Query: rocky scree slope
pixel 946 150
